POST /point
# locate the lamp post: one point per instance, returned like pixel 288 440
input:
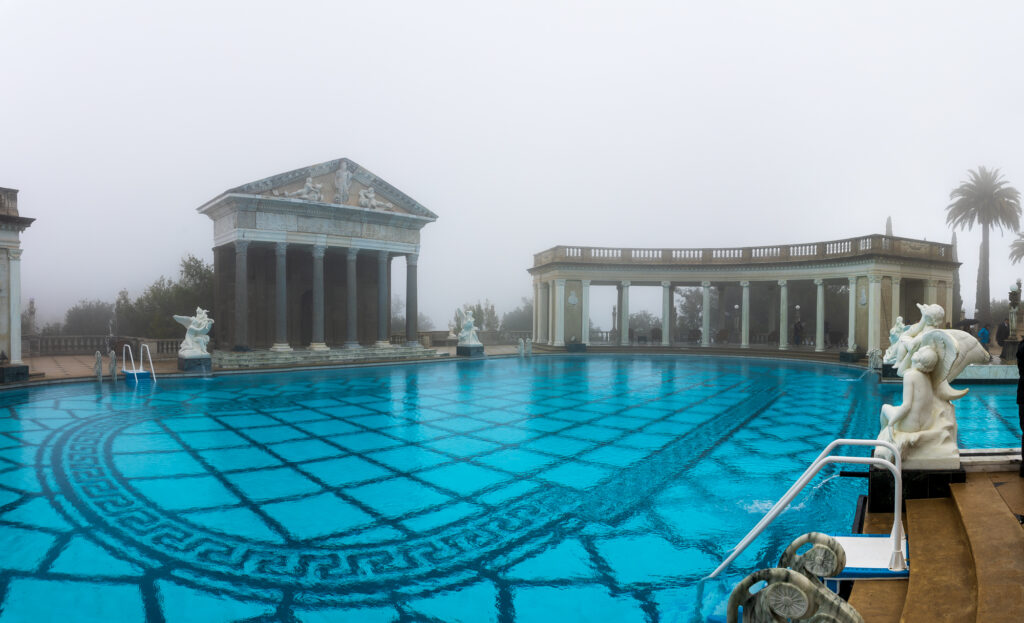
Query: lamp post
pixel 736 318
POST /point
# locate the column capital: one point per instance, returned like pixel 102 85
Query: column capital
pixel 14 254
pixel 585 282
pixel 382 257
pixel 625 284
pixel 874 279
pixel 280 248
pixel 819 282
pixel 745 284
pixel 319 250
pixel 241 246
pixel 666 284
pixel 852 281
pixel 352 253
pixel 411 259
pixel 896 281
pixel 706 284
pixel 560 282
pixel 782 282
pixel 931 283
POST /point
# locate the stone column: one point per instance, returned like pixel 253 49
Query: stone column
pixel 705 315
pixel 819 317
pixel 585 308
pixel 542 314
pixel 318 298
pixel 624 315
pixel 874 310
pixel 851 345
pixel 412 311
pixel 666 310
pixel 931 288
pixel 281 299
pixel 351 302
pixel 559 312
pixel 551 313
pixel 535 334
pixel 783 315
pixel 383 259
pixel 241 295
pixel 949 305
pixel 895 300
pixel 14 304
pixel 745 316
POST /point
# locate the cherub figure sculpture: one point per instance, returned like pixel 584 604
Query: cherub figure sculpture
pixel 467 334
pixel 196 338
pixel 928 358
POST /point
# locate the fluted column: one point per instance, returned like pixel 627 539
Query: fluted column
pixel 281 299
pixel 819 319
pixel 383 259
pixel 666 312
pixel 585 303
pixel 851 344
pixel 351 302
pixel 559 312
pixel 705 314
pixel 949 303
pixel 412 335
pixel 745 317
pixel 542 314
pixel 241 295
pixel 318 298
pixel 931 288
pixel 14 259
pixel 535 334
pixel 551 313
pixel 895 301
pixel 875 311
pixel 624 315
pixel 783 315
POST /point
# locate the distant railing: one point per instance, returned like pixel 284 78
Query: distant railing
pixel 56 345
pixel 828 250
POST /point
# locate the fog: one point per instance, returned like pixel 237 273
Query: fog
pixel 523 126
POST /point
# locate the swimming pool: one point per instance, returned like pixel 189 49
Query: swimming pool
pixel 554 488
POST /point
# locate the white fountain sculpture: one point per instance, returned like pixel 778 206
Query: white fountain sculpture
pixel 196 338
pixel 928 358
pixel 467 333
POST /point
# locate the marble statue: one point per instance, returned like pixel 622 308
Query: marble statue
pixel 113 366
pixel 98 368
pixel 196 338
pixel 521 348
pixel 368 199
pixel 467 334
pixel 875 359
pixel 342 182
pixel 310 191
pixel 923 427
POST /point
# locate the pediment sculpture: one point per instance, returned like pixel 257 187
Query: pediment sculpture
pixel 310 191
pixel 368 199
pixel 928 357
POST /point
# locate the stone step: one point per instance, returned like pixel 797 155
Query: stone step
pixel 997 547
pixel 942 584
pixel 879 601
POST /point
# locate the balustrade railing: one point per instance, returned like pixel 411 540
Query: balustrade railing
pixel 830 249
pixel 57 345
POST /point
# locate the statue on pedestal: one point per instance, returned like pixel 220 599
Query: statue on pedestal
pixel 196 338
pixel 467 334
pixel 928 358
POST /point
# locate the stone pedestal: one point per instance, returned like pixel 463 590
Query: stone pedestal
pixel 470 351
pixel 1009 354
pixel 917 484
pixel 848 357
pixel 13 372
pixel 195 364
pixel 576 347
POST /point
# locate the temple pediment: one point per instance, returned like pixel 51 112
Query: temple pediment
pixel 340 182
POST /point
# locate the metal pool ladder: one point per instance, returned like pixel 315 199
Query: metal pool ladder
pixel 137 373
pixel 897 561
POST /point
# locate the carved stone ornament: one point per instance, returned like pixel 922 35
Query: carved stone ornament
pixel 196 338
pixel 368 199
pixel 342 183
pixel 310 191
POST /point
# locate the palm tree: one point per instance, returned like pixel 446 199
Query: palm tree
pixel 986 199
pixel 1017 248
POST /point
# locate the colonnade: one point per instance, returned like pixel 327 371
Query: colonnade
pixel 550 312
pixel 317 253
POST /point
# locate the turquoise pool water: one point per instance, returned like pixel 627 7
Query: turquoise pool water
pixel 549 489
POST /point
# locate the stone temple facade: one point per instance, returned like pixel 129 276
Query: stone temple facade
pixel 302 264
pixel 11 226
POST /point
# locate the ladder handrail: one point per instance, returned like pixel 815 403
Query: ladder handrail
pixel 828 449
pixel 896 561
pixel 124 359
pixel 145 349
pixel 143 352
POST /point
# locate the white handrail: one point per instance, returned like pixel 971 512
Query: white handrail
pixel 896 561
pixel 143 351
pixel 124 359
pixel 828 449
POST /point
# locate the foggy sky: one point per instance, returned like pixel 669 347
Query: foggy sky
pixel 522 125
